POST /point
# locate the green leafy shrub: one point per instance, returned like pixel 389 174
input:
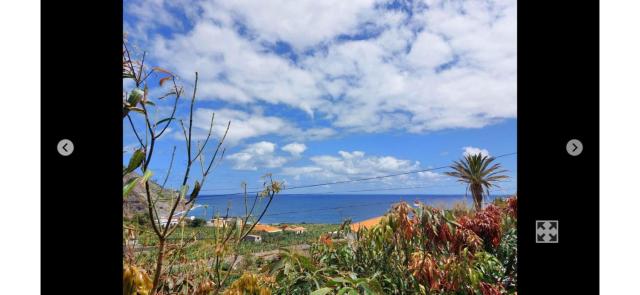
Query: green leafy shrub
pixel 197 222
pixel 444 254
pixel 141 219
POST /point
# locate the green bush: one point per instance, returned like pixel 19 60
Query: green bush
pixel 412 251
pixel 141 219
pixel 198 222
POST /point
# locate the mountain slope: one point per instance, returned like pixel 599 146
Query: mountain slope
pixel 136 201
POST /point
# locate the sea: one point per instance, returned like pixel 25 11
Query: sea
pixel 320 208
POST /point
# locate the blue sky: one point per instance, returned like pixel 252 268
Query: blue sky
pixel 323 91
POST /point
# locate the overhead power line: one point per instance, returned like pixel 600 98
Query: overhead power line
pixel 346 181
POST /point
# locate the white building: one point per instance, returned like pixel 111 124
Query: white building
pixel 253 238
pixel 225 222
pixel 296 229
pixel 174 221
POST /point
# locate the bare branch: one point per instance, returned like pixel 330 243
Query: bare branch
pixel 144 54
pixel 151 209
pixel 135 131
pixel 193 100
pixel 208 136
pixel 218 147
pixel 166 178
pixel 173 113
pixel 184 132
pixel 131 68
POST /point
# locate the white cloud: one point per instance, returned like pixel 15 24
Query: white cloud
pixel 257 155
pixel 429 51
pixel 249 73
pixel 302 23
pixel 149 14
pixel 316 133
pixel 298 172
pixel 247 125
pixel 348 165
pixel 451 65
pixel 295 149
pixel 429 175
pixel 243 126
pixel 469 150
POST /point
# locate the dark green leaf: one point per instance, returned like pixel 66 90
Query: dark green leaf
pixel 135 96
pixel 196 190
pixel 321 291
pixel 135 161
pixel 137 110
pixel 339 280
pixel 164 120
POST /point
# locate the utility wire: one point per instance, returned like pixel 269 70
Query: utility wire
pixel 257 190
pixel 348 181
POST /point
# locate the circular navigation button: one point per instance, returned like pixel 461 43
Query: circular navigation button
pixel 65 147
pixel 574 147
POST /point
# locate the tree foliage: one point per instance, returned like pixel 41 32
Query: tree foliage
pixel 479 174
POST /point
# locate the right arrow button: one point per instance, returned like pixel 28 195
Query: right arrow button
pixel 574 147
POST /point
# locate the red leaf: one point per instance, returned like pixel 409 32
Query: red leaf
pixel 165 79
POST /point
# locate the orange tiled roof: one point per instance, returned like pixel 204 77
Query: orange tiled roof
pixel 266 228
pixel 365 223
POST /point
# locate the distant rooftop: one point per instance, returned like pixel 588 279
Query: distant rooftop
pixel 266 228
pixel 366 223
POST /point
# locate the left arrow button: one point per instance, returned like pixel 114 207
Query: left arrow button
pixel 65 147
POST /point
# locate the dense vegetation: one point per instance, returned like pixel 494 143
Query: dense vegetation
pixel 203 237
pixel 412 251
pixel 421 250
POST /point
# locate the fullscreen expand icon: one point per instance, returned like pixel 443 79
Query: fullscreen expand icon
pixel 546 231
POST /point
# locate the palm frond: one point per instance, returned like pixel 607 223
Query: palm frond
pixel 479 173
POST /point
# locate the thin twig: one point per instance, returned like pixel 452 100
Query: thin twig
pixel 206 140
pixel 135 131
pixel 173 113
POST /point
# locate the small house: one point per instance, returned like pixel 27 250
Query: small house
pixel 174 221
pixel 225 222
pixel 296 229
pixel 253 238
pixel 334 234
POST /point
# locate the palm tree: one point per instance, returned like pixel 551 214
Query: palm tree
pixel 479 175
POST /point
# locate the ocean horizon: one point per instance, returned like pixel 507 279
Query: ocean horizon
pixel 322 208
